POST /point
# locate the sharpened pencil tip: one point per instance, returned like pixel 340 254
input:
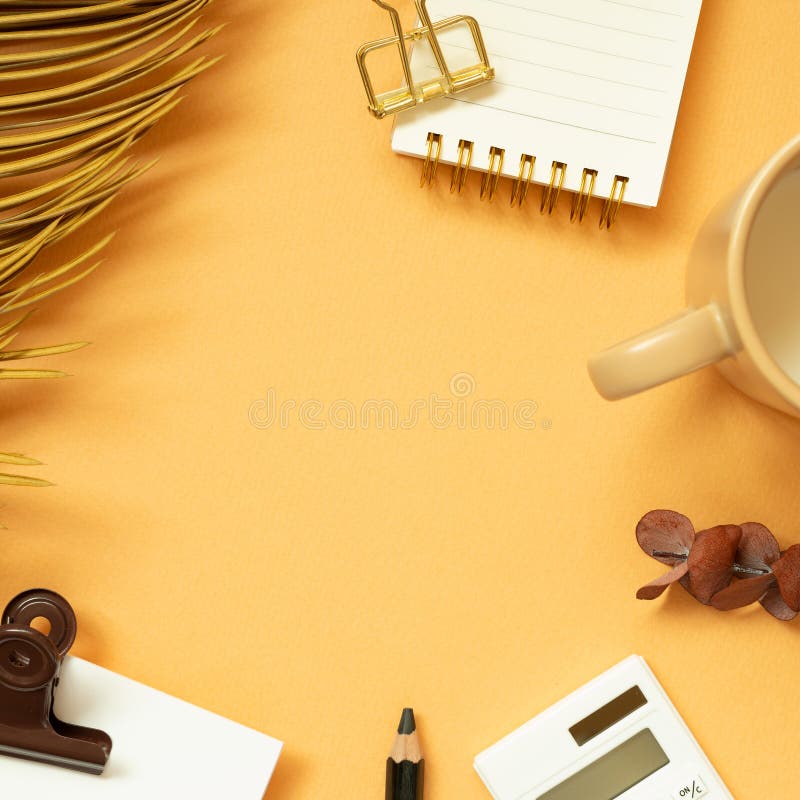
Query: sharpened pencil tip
pixel 407 722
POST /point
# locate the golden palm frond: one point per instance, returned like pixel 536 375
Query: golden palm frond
pixel 81 81
pixel 18 480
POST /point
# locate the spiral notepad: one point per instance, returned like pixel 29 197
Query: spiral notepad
pixel 585 99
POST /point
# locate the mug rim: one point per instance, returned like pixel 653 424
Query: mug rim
pixel 755 194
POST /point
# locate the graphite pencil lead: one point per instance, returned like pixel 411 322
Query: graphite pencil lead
pixel 407 722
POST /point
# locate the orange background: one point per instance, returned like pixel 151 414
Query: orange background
pixel 310 583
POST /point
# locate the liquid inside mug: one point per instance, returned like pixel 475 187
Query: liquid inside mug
pixel 743 293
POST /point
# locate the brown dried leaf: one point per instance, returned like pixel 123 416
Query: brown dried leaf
pixel 787 572
pixel 741 593
pixel 656 587
pixel 666 533
pixel 711 561
pixel 776 605
pixel 758 548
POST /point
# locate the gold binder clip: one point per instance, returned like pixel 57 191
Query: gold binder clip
pixel 551 192
pixel 615 197
pixel 445 83
pixel 580 202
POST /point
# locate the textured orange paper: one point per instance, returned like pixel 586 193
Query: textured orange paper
pixel 310 583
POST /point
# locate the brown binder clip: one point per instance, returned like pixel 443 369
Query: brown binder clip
pixel 445 83
pixel 30 663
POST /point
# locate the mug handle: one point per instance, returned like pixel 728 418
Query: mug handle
pixel 695 339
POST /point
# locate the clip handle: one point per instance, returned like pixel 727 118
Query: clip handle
pixel 29 662
pixel 397 26
pixel 27 606
pixel 433 40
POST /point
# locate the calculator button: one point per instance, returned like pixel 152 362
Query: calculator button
pixel 693 788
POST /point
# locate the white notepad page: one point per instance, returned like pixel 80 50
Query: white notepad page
pixel 162 747
pixel 591 83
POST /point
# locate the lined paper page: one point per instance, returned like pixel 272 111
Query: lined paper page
pixel 591 83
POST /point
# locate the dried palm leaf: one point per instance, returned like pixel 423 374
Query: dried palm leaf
pixel 86 80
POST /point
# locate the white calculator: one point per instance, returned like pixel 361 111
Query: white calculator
pixel 618 736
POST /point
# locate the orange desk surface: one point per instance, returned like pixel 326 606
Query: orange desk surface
pixel 309 583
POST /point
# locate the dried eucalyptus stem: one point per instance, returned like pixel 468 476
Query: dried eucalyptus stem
pixel 727 566
pixel 85 81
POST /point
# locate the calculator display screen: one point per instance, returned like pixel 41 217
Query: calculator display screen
pixel 610 714
pixel 615 772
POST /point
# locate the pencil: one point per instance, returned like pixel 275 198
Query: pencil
pixel 405 766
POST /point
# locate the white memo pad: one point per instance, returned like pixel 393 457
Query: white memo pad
pixel 162 747
pixel 594 84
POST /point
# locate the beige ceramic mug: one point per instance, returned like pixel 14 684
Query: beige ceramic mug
pixel 743 293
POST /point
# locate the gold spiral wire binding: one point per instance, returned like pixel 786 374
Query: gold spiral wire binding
pixel 551 192
pixel 523 182
pixel 580 202
pixel 611 207
pixel 461 169
pixel 492 176
pixel 431 159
